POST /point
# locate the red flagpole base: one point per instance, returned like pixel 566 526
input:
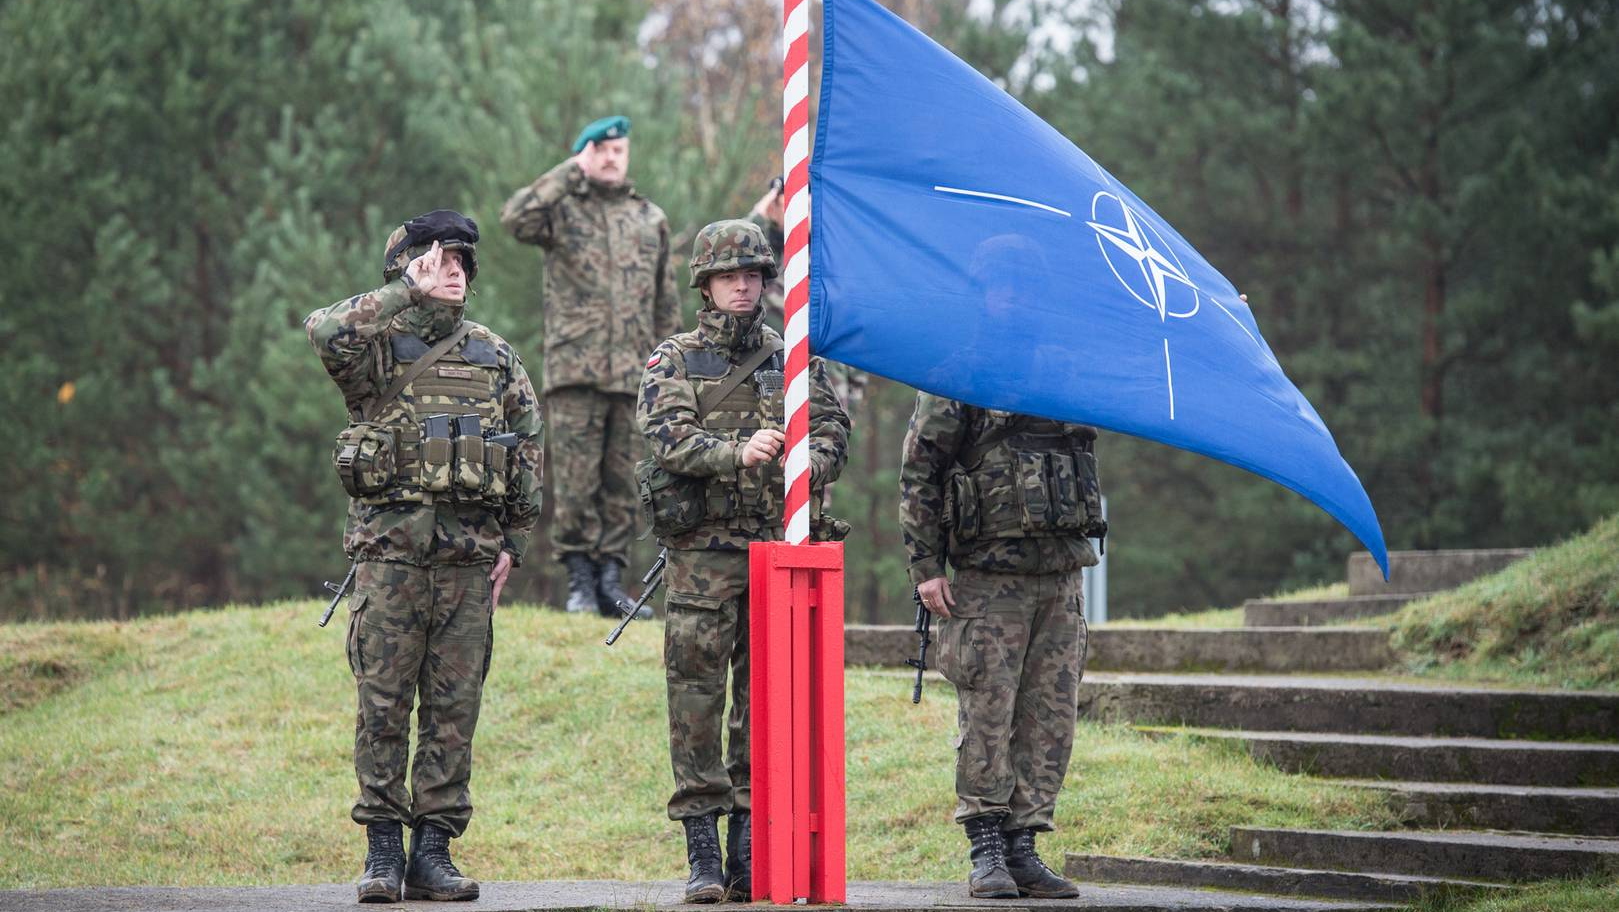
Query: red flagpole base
pixel 795 642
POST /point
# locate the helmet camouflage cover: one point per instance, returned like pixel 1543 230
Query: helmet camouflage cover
pixel 729 245
pixel 451 229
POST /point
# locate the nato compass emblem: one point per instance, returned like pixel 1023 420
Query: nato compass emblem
pixel 1147 267
pixel 1141 259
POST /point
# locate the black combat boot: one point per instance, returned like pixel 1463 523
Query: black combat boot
pixel 989 878
pixel 431 874
pixel 611 591
pixel 706 884
pixel 384 863
pixel 1031 874
pixel 739 857
pixel 583 579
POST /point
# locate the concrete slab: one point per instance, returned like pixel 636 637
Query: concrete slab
pixel 1358 705
pixel 1114 648
pixel 1550 763
pixel 1319 612
pixel 1465 805
pixel 583 895
pixel 1227 875
pixel 1427 571
pixel 1470 854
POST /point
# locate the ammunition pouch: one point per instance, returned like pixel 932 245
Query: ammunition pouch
pixel 1021 493
pixel 364 458
pixel 676 504
pixel 470 462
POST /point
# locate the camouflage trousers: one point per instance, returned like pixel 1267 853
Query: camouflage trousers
pixel 705 634
pixel 594 445
pixel 1014 646
pixel 418 635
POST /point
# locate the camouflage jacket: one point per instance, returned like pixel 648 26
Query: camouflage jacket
pixel 356 339
pixel 676 376
pixel 940 433
pixel 609 295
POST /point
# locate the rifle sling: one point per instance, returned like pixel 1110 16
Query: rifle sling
pixel 711 398
pixel 415 370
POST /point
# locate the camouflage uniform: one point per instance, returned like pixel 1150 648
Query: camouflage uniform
pixel 849 383
pixel 608 300
pixel 1008 500
pixel 420 618
pixel 707 574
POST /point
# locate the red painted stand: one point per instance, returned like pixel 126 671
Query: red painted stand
pixel 795 640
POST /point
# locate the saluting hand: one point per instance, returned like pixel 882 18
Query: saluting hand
pixel 424 269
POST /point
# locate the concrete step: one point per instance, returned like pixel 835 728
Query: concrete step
pixel 1463 853
pixel 1388 757
pixel 1323 704
pixel 1427 571
pixel 1319 612
pixel 645 896
pixel 1225 875
pixel 1113 648
pixel 1467 805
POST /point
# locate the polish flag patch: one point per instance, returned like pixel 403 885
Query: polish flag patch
pixel 653 361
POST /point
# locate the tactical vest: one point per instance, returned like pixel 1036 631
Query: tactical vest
pixel 431 442
pixel 744 502
pixel 1025 477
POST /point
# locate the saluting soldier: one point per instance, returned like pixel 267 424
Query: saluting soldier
pixel 711 408
pixel 609 299
pixel 1009 501
pixel 442 461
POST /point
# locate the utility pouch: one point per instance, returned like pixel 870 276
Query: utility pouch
pixel 1090 488
pixel 963 494
pixel 674 503
pixel 1033 492
pixel 495 459
pixel 438 453
pixel 469 454
pixel 364 458
pixel 1068 505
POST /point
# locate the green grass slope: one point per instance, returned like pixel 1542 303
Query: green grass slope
pixel 1551 619
pixel 214 748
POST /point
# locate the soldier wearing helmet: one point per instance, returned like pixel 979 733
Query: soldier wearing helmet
pixel 711 409
pixel 609 297
pixel 441 460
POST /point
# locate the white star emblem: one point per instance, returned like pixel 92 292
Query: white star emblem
pixel 1134 239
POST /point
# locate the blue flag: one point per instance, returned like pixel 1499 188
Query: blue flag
pixel 963 246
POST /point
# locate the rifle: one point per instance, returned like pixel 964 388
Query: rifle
pixel 924 630
pixel 338 592
pixel 649 584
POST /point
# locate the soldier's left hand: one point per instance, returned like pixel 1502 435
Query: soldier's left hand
pixel 497 577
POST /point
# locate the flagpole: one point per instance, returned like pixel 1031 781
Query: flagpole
pixel 796 254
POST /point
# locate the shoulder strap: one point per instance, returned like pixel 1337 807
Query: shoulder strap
pixel 709 400
pixel 975 454
pixel 415 370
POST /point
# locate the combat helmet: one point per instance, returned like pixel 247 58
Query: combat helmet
pixel 729 245
pixel 451 229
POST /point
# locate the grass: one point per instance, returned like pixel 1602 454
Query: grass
pixel 1232 617
pixel 213 748
pixel 1593 894
pixel 1551 619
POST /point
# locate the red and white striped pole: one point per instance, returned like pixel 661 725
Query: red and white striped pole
pixel 795 611
pixel 796 251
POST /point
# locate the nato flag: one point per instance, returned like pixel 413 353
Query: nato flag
pixel 961 245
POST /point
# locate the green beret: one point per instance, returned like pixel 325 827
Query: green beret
pixel 615 127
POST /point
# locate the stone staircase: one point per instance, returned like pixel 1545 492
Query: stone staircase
pixel 1498 785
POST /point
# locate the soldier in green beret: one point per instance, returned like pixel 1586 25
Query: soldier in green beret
pixel 609 298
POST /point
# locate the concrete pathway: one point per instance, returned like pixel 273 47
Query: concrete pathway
pixel 566 896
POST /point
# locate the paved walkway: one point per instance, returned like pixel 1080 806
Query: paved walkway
pixel 564 896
